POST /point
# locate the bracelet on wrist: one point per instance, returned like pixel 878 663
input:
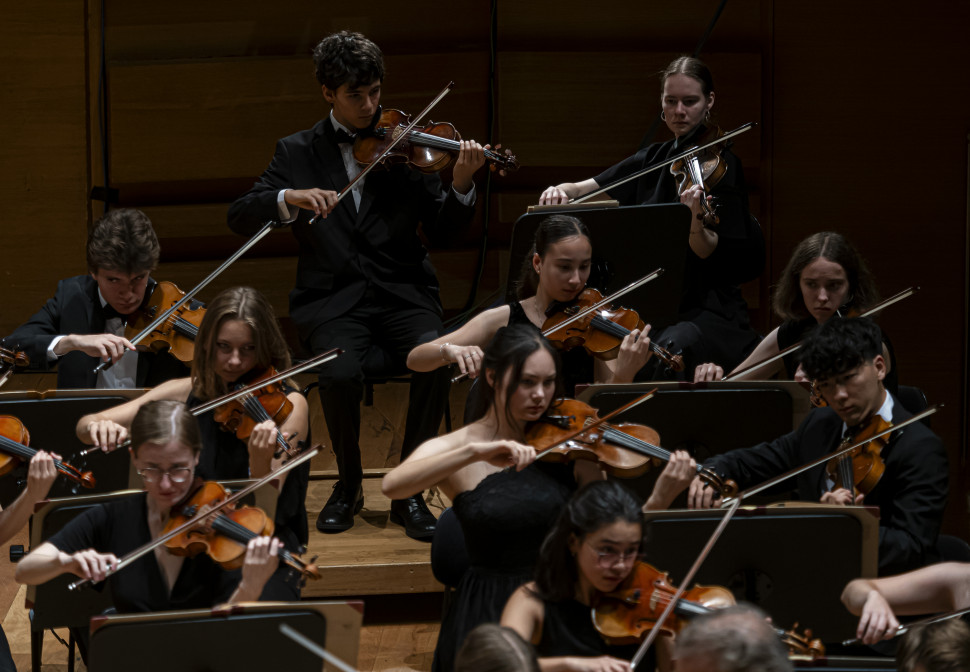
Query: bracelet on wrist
pixel 441 351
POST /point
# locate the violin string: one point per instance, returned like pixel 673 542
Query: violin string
pixel 26 453
pixel 259 413
pixel 243 535
pixel 437 142
pixel 635 443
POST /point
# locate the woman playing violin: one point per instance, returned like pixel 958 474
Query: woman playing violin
pixel 504 513
pixel 714 322
pixel 592 549
pixel 239 338
pixel 555 273
pixel 166 445
pixel 824 277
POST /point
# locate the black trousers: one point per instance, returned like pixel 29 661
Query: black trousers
pixel 376 337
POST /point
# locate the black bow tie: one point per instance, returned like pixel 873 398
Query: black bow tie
pixel 343 137
pixel 110 313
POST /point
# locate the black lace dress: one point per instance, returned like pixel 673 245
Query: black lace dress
pixel 504 521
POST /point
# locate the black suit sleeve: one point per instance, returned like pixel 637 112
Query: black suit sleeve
pixel 259 205
pixel 443 216
pixel 913 499
pixel 35 335
pixel 752 466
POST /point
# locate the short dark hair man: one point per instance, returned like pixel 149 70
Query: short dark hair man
pixel 844 357
pixel 364 281
pixel 84 322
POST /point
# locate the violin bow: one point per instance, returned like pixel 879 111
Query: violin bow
pixel 322 358
pixel 406 133
pixel 649 277
pixel 315 648
pixel 657 166
pixel 831 456
pixel 195 520
pixel 905 627
pixel 682 588
pixel 596 423
pixel 161 319
pixel 905 294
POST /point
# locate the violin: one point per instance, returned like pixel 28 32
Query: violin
pixel 201 516
pixel 10 360
pixel 428 149
pixel 860 469
pixel 702 165
pixel 177 332
pixel 626 450
pixel 626 614
pixel 15 447
pixel 224 536
pixel 601 332
pixel 241 415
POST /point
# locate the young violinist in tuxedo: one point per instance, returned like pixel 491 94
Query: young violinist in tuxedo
pixel 84 322
pixel 825 277
pixel 592 549
pixel 503 513
pixel 364 281
pixel 238 340
pixel 935 589
pixel 166 445
pixel 555 273
pixel 714 323
pixel 844 357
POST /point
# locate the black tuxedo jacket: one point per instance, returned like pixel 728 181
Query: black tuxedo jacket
pixel 342 254
pixel 911 494
pixel 76 309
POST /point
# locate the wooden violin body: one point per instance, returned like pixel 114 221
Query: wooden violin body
pixel 15 448
pixel 704 168
pixel 241 415
pixel 177 334
pixel 226 535
pixel 601 332
pixel 428 149
pixel 861 469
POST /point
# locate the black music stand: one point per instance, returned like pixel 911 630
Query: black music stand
pixel 792 561
pixel 51 604
pixel 628 243
pixel 50 417
pixel 706 419
pixel 229 638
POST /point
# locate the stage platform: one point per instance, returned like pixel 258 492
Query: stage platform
pixel 374 557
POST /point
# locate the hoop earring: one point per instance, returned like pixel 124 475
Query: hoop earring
pixel 663 117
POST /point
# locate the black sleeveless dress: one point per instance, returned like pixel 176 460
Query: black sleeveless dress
pixel 567 630
pixel 504 520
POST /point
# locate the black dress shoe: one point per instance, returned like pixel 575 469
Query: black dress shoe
pixel 413 514
pixel 338 513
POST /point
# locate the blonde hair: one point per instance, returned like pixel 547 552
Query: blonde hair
pixel 250 307
pixel 163 421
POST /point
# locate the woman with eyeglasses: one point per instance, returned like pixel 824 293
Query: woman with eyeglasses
pixel 165 450
pixel 238 339
pixel 592 549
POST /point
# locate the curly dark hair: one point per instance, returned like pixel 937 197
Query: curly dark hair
pixel 840 344
pixel 788 302
pixel 347 58
pixel 123 240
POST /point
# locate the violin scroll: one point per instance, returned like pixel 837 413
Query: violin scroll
pixel 802 644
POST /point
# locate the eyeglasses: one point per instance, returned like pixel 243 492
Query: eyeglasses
pixel 175 474
pixel 611 558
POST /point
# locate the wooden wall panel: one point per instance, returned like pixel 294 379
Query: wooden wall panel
pixel 43 162
pixel 862 106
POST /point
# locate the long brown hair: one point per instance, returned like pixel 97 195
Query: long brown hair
pixel 249 306
pixel 788 302
pixel 163 421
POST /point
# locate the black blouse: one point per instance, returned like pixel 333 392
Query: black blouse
pixel 119 527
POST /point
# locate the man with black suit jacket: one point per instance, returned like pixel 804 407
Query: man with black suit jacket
pixel 84 323
pixel 844 357
pixel 364 281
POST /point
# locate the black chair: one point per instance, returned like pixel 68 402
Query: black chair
pixel 913 400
